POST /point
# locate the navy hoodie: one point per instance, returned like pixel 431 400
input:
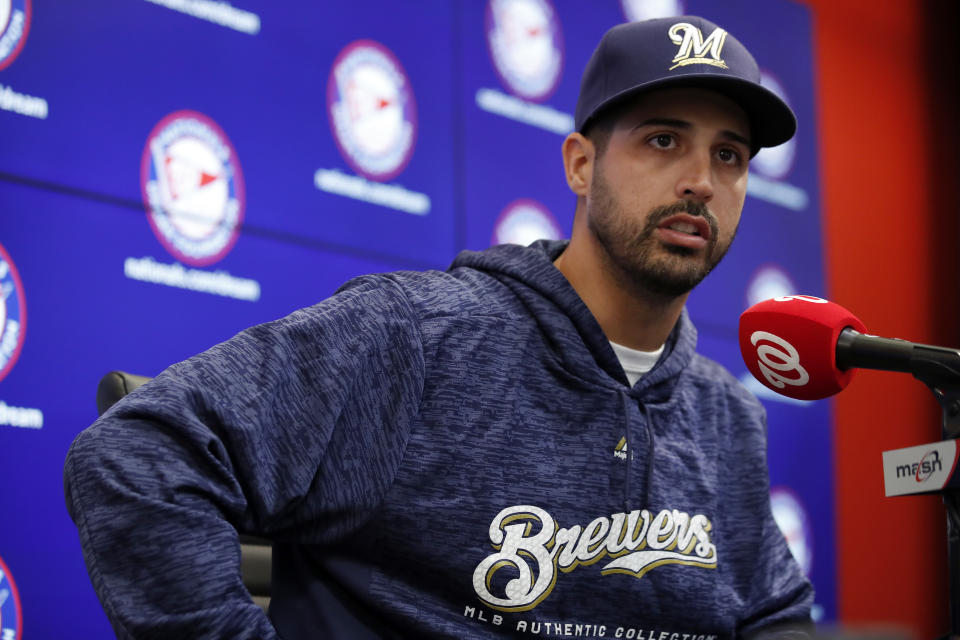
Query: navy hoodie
pixel 437 455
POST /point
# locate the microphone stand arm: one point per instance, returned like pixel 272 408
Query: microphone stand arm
pixel 945 385
pixel 939 369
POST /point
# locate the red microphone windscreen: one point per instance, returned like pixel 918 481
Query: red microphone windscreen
pixel 789 344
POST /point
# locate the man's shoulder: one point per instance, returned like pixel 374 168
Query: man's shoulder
pixel 433 293
pixel 713 376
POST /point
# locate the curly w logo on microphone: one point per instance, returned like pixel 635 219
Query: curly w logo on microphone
pixel 532 548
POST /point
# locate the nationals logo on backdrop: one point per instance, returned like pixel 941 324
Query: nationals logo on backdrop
pixel 769 281
pixel 634 10
pixel 11 616
pixel 523 221
pixel 13 314
pixel 14 25
pixel 772 166
pixel 526 44
pixel 775 162
pixel 193 188
pixel 794 523
pixel 372 110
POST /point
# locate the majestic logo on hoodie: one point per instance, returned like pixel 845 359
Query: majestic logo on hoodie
pixel 532 548
pixel 620 451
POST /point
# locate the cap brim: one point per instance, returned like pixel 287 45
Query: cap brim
pixel 772 122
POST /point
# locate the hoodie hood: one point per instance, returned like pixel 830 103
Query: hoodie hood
pixel 530 274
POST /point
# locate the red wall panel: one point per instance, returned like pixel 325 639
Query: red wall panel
pixel 889 152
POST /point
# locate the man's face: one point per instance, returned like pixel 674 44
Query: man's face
pixel 666 195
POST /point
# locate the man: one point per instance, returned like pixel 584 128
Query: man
pixel 526 444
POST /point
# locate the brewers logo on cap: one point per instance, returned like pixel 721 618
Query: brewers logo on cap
pixel 694 48
pixel 792 519
pixel 13 314
pixel 775 162
pixel 373 114
pixel 524 221
pixel 11 615
pixel 526 44
pixel 192 187
pixel 14 25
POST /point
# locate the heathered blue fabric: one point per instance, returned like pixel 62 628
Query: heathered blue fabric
pixel 377 436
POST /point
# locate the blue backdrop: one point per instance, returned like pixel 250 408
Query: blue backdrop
pixel 172 171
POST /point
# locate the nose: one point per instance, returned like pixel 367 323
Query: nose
pixel 696 177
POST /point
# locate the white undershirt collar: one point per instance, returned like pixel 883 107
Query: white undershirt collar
pixel 635 363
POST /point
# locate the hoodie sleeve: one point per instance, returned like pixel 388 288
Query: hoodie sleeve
pixel 780 596
pixel 291 429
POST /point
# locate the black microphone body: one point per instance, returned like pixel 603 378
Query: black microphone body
pixel 939 366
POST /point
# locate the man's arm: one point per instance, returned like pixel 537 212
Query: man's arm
pixel 238 438
pixel 780 596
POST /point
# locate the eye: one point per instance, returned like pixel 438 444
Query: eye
pixel 729 156
pixel 662 141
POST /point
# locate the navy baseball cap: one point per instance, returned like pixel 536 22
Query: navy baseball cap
pixel 683 51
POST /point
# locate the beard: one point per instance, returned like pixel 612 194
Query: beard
pixel 666 271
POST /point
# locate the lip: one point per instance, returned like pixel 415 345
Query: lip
pixel 685 239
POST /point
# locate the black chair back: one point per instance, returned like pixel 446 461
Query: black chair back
pixel 256 554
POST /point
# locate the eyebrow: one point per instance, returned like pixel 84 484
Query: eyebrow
pixel 683 124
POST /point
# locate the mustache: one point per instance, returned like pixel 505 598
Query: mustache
pixel 690 207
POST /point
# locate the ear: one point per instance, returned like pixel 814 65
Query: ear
pixel 578 157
